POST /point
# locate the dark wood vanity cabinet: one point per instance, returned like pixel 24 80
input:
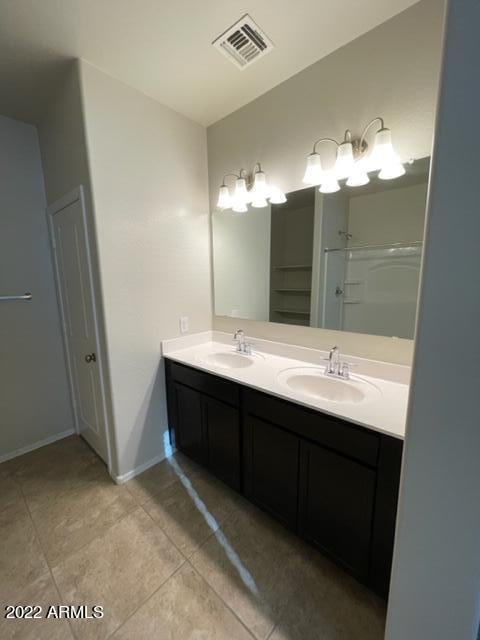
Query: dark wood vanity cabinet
pixel 188 422
pixel 336 504
pixel 334 483
pixel 222 436
pixel 271 459
pixel 204 427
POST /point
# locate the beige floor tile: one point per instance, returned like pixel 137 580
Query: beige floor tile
pixel 49 472
pixel 151 482
pixel 327 604
pixel 189 511
pixel 118 570
pixel 251 564
pixel 79 515
pixel 21 557
pixel 185 608
pixel 40 592
pixel 10 492
pixel 7 468
pixel 110 552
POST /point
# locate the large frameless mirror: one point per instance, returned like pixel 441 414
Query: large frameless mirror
pixel 349 260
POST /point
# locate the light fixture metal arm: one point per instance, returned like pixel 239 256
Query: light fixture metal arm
pixel 367 128
pixel 232 175
pixel 323 140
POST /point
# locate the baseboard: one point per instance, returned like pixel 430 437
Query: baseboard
pixel 125 477
pixel 36 445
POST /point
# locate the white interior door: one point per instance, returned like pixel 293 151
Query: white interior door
pixel 74 277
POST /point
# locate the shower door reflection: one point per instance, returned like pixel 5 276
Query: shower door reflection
pixel 372 289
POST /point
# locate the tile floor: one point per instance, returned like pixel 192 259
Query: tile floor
pixel 171 555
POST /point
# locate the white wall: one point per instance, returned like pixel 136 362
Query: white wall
pixel 66 166
pixel 435 589
pixel 391 71
pixel 241 258
pixel 34 394
pixel 149 179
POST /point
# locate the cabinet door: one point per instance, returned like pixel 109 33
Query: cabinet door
pixel 223 441
pixel 388 484
pixel 188 424
pixel 336 506
pixel 271 469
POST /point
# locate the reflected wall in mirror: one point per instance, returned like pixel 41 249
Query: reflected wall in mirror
pixel 346 261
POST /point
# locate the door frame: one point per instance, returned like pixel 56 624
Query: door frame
pixel 78 195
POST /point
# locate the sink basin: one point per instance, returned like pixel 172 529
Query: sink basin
pixel 314 383
pixel 228 360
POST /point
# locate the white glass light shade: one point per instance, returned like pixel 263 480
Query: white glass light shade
pixel 385 158
pixel 358 175
pixel 276 195
pixel 260 188
pixel 392 168
pixel 345 161
pixel 240 196
pixel 329 183
pixel 240 207
pixel 224 198
pixel 314 171
pixel 258 202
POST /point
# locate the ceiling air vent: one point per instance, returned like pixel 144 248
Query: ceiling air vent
pixel 243 43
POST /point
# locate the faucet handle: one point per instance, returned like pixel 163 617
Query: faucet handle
pixel 346 367
pixel 247 348
pixel 239 338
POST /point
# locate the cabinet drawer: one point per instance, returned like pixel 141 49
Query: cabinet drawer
pixel 206 383
pixel 330 432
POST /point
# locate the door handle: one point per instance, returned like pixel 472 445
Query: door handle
pixel 90 357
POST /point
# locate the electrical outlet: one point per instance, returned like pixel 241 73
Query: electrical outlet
pixel 183 324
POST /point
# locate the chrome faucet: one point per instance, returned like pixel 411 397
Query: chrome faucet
pixel 242 345
pixel 335 366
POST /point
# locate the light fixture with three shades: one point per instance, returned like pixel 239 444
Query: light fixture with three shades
pixel 254 191
pixel 353 161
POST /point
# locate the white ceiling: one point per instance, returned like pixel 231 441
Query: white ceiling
pixel 163 47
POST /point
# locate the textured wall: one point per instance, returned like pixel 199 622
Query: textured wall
pixel 149 182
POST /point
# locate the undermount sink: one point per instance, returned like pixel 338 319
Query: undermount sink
pixel 314 383
pixel 228 360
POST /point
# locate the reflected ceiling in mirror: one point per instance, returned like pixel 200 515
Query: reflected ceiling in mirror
pixel 346 261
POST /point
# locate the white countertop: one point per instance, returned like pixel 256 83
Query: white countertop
pixel 383 411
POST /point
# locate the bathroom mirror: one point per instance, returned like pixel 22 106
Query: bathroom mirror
pixel 348 261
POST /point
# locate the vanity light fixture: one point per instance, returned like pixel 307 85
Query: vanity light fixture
pixel 253 190
pixel 353 161
pixel 240 196
pixel 329 183
pixel 385 156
